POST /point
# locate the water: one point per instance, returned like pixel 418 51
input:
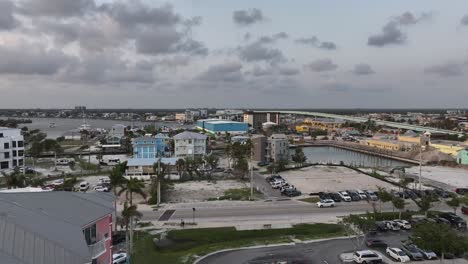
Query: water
pixel 336 155
pixel 65 124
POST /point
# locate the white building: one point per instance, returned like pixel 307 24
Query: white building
pixel 189 144
pixel 116 134
pixel 11 148
pixel 278 147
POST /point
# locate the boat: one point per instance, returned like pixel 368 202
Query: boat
pixel 85 126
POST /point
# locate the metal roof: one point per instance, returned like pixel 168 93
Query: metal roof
pixel 190 135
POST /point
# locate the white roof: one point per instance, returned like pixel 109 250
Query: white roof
pixel 190 135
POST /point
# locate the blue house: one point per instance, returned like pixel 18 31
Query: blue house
pixel 162 143
pixel 144 147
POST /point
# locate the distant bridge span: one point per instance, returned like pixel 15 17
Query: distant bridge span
pixel 362 120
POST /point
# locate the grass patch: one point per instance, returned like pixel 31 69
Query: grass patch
pixel 85 165
pixel 310 199
pixel 197 242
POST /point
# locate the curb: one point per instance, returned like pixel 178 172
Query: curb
pixel 267 246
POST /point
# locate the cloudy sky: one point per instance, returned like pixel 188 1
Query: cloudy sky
pixel 243 53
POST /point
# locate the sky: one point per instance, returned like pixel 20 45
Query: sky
pixel 233 54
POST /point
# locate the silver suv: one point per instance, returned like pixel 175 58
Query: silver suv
pixel 367 257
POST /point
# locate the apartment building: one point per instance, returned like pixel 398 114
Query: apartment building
pixel 148 147
pixel 56 227
pixel 259 148
pixel 277 148
pixel 11 148
pixel 189 144
pixel 256 120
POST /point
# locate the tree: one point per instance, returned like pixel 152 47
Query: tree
pixel 160 170
pixel 357 227
pixel 440 238
pixel 116 180
pixel 133 186
pixel 299 156
pixel 212 163
pixel 241 167
pixel 454 203
pixel 425 204
pixel 384 196
pixel 129 214
pixel 15 179
pixel 180 166
pixel 399 203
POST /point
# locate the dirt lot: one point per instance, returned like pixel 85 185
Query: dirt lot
pixel 331 179
pixel 201 190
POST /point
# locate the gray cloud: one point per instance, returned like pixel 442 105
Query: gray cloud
pixel 392 31
pixel 247 17
pixel 257 71
pixel 158 41
pixel 464 20
pixel 7 20
pixel 336 87
pixel 273 38
pixel 449 69
pixel 258 52
pixel 228 72
pixel 321 65
pixel 56 8
pixel 316 43
pixel 30 59
pixel 289 71
pixel 363 69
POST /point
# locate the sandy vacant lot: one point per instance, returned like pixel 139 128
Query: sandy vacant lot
pixel 201 190
pixel 456 177
pixel 331 179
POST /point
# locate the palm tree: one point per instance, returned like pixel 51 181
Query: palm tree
pixel 180 165
pixel 160 171
pixel 399 204
pixel 15 179
pixel 384 196
pixel 116 180
pixel 129 213
pixel 133 186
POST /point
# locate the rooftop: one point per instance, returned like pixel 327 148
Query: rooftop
pixel 190 135
pixel 220 121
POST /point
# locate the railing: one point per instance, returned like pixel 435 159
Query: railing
pixel 98 248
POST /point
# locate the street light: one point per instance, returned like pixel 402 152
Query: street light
pixel 193 216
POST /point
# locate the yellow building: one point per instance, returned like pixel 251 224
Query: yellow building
pixel 302 129
pixel 448 149
pixel 409 139
pixel 309 124
pixel 384 144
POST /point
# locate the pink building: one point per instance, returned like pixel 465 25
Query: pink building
pixel 56 227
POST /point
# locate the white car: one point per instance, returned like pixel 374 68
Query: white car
pixel 397 254
pixel 326 203
pixel 84 185
pixel 403 224
pixel 367 256
pixel 119 258
pixel 362 194
pixel 57 182
pixel 104 180
pixel 100 188
pixel 392 226
pixel 345 196
pixel 277 184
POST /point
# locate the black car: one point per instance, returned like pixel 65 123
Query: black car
pixel 324 196
pixel 274 177
pixel 381 226
pixel 441 220
pixel 118 238
pixel 376 243
pixel 335 197
pixel 291 192
pixel 354 195
pixel 412 251
pixel 410 194
pixel 461 191
pixel 442 193
pixel 455 220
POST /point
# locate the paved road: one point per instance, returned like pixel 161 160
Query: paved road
pixel 320 252
pixel 269 211
pixel 263 186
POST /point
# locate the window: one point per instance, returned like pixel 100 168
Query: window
pixel 7 155
pixel 4 165
pixel 20 144
pixel 14 153
pixel 90 235
pixel 20 162
pixel 6 145
pixel 15 163
pixel 20 153
pixel 1 135
pixel 13 143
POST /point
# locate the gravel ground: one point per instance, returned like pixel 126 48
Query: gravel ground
pixel 455 177
pixel 331 179
pixel 201 190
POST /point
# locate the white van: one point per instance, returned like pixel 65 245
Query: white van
pixel 62 161
pixel 110 161
pixel 84 186
pixel 104 180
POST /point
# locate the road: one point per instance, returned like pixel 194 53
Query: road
pixel 326 252
pixel 286 211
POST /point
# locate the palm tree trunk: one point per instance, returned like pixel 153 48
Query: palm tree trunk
pixel 399 216
pixel 131 198
pixel 159 193
pixel 131 237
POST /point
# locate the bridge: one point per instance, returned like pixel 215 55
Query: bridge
pixel 363 120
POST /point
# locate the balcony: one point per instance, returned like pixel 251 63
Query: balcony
pixel 98 248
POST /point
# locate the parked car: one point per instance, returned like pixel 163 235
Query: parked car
pixel 84 185
pixel 371 196
pixel 345 196
pixel 464 210
pixel 461 191
pixel 455 220
pixel 118 238
pixel 381 226
pixel 403 224
pixel 412 251
pixel 104 180
pixel 101 188
pixel 326 203
pixel 367 256
pixel 292 193
pixel 392 226
pixel 442 193
pixel 119 258
pixel 427 254
pixel 324 196
pixel 410 194
pixel 277 184
pixel 377 243
pixel 443 221
pixel 274 177
pixel 57 182
pixel 354 195
pixel 335 197
pixel 397 254
pixel 362 195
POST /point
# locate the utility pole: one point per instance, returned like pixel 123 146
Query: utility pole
pixel 159 181
pixel 420 165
